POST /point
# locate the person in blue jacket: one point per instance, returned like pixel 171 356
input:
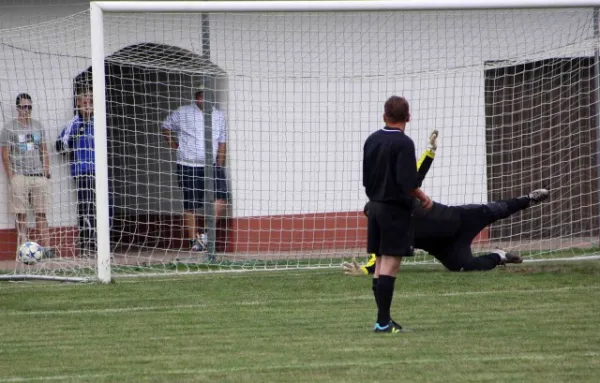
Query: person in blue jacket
pixel 77 140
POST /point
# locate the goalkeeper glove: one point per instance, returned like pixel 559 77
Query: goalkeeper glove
pixel 353 268
pixel 432 141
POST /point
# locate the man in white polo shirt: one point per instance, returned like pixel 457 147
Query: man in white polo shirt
pixel 184 131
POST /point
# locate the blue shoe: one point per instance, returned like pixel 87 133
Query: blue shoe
pixel 391 327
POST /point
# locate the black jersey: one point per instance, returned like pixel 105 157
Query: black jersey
pixel 390 167
pixel 440 222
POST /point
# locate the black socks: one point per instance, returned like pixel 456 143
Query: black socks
pixel 384 292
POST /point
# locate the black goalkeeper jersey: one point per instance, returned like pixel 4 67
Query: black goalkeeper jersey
pixel 390 167
pixel 440 222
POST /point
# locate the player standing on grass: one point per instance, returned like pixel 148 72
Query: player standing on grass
pixel 391 183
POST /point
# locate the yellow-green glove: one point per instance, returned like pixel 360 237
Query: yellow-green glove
pixel 353 268
pixel 432 140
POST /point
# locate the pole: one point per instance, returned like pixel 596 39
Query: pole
pixel 209 171
pixel 595 21
pixel 100 144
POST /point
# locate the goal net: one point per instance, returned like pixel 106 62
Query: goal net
pixel 288 99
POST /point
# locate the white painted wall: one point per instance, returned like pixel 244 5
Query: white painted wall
pixel 304 93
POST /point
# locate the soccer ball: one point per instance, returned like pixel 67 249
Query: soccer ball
pixel 30 253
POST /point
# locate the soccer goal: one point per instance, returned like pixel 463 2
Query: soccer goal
pixel 289 92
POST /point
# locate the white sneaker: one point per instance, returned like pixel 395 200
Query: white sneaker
pixel 538 196
pixel 506 257
pixel 200 244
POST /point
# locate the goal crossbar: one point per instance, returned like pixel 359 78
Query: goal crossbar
pixel 325 6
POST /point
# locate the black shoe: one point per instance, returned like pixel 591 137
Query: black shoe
pixel 513 258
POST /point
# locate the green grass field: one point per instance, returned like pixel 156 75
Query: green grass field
pixel 530 323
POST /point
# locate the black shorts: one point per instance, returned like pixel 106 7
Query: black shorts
pixel 191 182
pixel 390 230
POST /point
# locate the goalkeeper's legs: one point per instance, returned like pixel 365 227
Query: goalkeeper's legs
pixel 503 209
pixel 461 259
pixel 475 218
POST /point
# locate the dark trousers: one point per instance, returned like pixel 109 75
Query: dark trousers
pixel 86 211
pixel 473 219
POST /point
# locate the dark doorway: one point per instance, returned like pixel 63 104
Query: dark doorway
pixel 541 132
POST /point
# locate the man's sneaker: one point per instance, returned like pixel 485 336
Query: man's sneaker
pixel 513 258
pixel 391 327
pixel 49 252
pixel 538 196
pixel 507 257
pixel 198 245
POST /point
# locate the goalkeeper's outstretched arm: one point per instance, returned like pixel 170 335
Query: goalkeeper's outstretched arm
pixel 427 157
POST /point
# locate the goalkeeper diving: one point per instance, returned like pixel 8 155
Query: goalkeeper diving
pixel 446 232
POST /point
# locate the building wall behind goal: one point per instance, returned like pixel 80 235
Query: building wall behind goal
pixel 303 93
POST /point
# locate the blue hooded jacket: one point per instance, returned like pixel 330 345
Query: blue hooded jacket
pixel 78 138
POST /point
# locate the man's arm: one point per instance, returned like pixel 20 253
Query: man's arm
pixel 221 153
pixel 419 194
pixel 172 141
pixel 5 143
pixel 222 126
pixel 170 128
pixel 6 161
pixel 64 138
pixel 45 160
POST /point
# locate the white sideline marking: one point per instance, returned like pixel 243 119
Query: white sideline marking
pixel 287 301
pixel 107 310
pixel 299 366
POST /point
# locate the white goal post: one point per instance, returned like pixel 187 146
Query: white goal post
pixel 513 87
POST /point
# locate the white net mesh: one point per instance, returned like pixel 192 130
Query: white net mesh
pixel 512 92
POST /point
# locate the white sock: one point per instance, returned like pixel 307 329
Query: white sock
pixel 501 253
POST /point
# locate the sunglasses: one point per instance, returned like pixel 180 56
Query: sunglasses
pixel 23 107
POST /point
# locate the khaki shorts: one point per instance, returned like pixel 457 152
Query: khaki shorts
pixel 28 191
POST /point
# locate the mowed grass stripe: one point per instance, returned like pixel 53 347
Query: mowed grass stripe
pixel 354 364
pixel 276 302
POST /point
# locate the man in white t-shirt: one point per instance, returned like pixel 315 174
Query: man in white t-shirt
pixel 184 131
